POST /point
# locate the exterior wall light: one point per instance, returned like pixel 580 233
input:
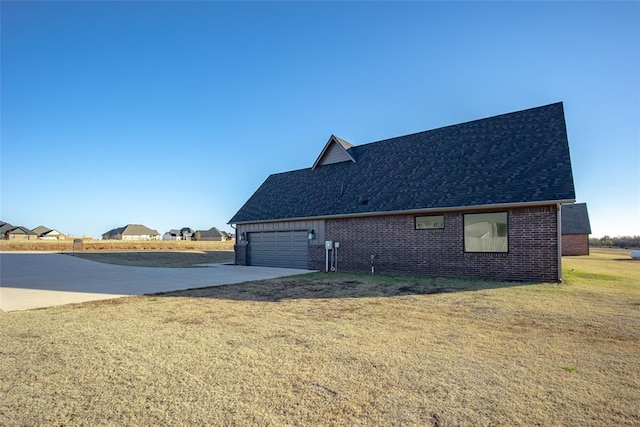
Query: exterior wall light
pixel 311 235
pixel 243 236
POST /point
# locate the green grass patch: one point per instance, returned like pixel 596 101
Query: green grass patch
pixel 590 275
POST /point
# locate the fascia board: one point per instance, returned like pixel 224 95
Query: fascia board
pixel 418 211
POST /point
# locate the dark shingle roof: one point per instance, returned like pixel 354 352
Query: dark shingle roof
pixel 507 159
pixel 41 229
pixel 138 230
pixel 131 230
pixel 575 219
pixel 212 232
pixel 114 231
pixel 4 227
pixel 22 230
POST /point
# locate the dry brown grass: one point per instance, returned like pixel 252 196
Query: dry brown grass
pixel 337 350
pixel 114 245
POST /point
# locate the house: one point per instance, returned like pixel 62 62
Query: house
pixel 45 233
pixel 4 227
pixel 479 199
pixel 131 232
pixel 575 229
pixel 20 233
pixel 172 234
pixel 213 234
pixel 184 233
pixel 187 233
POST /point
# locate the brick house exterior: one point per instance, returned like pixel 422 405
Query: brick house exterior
pixel 440 252
pixel 477 200
pixel 575 229
pixel 20 233
pixel 575 244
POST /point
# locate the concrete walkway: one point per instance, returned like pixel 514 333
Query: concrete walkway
pixel 37 280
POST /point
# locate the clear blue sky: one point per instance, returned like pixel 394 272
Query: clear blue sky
pixel 171 114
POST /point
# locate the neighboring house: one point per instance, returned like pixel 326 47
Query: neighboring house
pixel 476 199
pixel 575 229
pixel 187 233
pixel 4 227
pixel 184 233
pixel 213 234
pixel 20 233
pixel 171 235
pixel 45 233
pixel 41 230
pixel 131 232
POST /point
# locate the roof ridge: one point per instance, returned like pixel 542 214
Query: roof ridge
pixel 463 123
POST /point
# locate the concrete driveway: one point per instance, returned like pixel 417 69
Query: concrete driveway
pixel 37 280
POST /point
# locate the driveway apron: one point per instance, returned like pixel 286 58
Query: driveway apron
pixel 38 280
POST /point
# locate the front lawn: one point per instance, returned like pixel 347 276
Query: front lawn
pixel 334 349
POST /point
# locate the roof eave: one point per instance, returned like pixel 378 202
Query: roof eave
pixel 417 211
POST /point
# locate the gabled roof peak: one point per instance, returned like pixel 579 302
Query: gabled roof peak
pixel 334 151
pixel 345 144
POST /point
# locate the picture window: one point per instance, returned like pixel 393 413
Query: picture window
pixel 486 232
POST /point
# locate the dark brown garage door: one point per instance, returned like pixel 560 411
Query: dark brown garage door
pixel 279 249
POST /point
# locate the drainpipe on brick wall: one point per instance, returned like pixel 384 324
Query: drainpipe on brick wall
pixel 559 231
pixel 235 237
pixel 235 233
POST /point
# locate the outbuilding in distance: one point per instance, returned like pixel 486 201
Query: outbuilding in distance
pixel 575 229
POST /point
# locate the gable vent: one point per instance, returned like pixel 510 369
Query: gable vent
pixel 335 151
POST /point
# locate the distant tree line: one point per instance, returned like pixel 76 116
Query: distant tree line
pixel 625 242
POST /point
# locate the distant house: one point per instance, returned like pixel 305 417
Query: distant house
pixel 4 227
pixel 172 234
pixel 20 233
pixel 45 233
pixel 575 229
pixel 185 233
pixel 480 199
pixel 213 235
pixel 131 232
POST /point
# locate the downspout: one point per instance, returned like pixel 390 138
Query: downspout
pixel 559 239
pixel 235 237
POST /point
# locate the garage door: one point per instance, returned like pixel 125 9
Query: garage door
pixel 278 249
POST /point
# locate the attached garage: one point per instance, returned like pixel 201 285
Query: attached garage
pixel 278 249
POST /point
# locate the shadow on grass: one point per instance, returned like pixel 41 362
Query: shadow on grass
pixel 339 285
pixel 317 285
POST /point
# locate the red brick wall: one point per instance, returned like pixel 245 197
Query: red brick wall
pixel 575 244
pixel 401 249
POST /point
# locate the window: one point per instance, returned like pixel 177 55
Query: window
pixel 486 232
pixel 429 222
